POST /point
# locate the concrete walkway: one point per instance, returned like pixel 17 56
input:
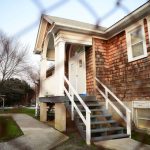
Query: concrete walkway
pixel 37 136
pixel 123 144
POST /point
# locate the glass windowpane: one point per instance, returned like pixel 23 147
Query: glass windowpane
pixel 136 36
pixel 137 49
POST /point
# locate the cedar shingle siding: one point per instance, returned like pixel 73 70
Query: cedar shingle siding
pixel 129 81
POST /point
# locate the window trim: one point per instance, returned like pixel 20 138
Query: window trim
pixel 128 40
pixel 148 25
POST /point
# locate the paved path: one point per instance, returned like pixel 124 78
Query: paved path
pixel 37 136
pixel 123 144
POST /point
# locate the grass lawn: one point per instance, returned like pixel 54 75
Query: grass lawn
pixel 141 137
pixel 30 112
pixel 8 129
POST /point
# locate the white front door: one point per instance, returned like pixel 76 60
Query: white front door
pixel 77 72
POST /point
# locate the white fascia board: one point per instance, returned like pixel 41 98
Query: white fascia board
pixel 80 28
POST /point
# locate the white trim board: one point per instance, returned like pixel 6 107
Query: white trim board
pixel 128 40
pixel 148 25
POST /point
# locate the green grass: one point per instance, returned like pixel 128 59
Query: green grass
pixel 141 137
pixel 30 112
pixel 8 129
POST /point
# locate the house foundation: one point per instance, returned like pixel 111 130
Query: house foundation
pixel 43 112
pixel 60 116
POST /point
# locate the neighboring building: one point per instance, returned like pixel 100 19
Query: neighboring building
pixel 95 59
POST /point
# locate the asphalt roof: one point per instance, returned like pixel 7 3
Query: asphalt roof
pixel 74 23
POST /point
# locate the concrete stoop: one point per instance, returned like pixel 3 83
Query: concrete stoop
pixel 123 144
pixel 37 136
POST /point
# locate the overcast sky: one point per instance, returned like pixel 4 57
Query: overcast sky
pixel 21 17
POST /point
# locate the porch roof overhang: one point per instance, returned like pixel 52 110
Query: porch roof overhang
pixel 61 24
pixel 74 26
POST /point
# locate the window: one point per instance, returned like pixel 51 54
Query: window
pixel 136 44
pixel 76 49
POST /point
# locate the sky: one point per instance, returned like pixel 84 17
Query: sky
pixel 20 18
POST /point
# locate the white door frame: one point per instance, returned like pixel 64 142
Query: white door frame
pixel 74 58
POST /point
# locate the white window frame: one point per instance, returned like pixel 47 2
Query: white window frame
pixel 148 25
pixel 129 44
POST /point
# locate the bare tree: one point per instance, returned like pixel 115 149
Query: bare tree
pixel 13 58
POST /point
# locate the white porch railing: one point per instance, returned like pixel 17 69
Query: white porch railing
pixel 86 119
pixel 126 118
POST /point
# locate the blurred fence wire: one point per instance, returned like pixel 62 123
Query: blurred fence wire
pixel 118 4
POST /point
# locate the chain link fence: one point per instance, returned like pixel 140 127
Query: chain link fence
pixel 118 5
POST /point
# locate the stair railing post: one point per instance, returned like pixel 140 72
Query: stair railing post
pixel 106 93
pixel 72 108
pixel 128 119
pixel 88 128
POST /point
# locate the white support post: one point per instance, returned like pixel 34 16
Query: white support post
pixel 36 108
pixel 72 112
pixel 106 93
pixel 128 117
pixel 60 65
pixel 88 128
pixel 72 109
pixel 43 67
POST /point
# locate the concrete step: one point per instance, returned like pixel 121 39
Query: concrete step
pixel 102 125
pixel 109 137
pixel 101 122
pixel 100 116
pixel 87 98
pixel 91 105
pixel 93 110
pixel 106 129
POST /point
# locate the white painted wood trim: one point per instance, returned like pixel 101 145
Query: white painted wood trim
pixel 77 95
pixel 98 37
pixel 71 37
pixel 60 66
pixel 87 120
pixel 126 118
pixel 109 101
pixel 128 40
pixel 119 101
pixel 148 25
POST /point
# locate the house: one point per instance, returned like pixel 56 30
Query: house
pixel 94 65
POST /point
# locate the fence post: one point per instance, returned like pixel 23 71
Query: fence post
pixel 88 128
pixel 128 117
